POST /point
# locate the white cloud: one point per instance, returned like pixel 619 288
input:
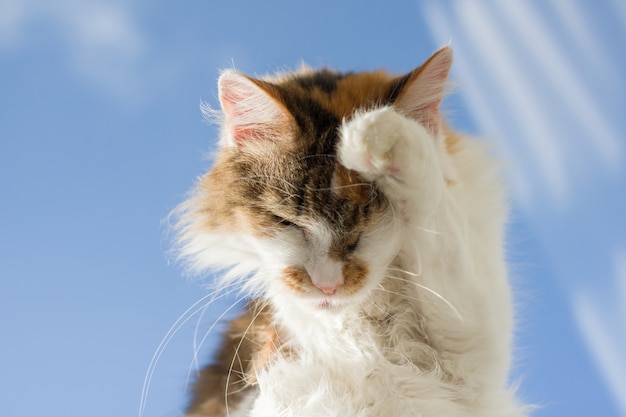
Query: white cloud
pixel 107 45
pixel 102 39
pixel 12 15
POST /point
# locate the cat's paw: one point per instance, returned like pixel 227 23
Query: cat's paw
pixel 374 143
pixel 398 154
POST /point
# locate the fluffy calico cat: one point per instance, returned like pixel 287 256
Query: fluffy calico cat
pixel 368 236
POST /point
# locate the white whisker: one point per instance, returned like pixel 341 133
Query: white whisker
pixel 195 342
pixel 404 271
pixel 341 187
pixel 236 355
pixel 265 184
pixel 430 290
pixel 182 319
pixel 198 346
pixel 315 156
pixel 424 229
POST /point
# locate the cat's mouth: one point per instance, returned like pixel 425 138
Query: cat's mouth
pixel 329 304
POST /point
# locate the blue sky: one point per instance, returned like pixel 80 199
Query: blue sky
pixel 101 136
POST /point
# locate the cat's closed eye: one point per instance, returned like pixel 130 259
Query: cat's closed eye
pixel 278 220
pixel 351 247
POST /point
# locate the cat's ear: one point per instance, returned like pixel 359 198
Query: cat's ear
pixel 254 114
pixel 420 92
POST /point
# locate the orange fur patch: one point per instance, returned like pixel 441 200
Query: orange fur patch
pixel 364 90
pixel 452 140
pixel 296 278
pixel 355 272
pixel 351 185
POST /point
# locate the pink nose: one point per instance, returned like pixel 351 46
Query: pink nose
pixel 328 289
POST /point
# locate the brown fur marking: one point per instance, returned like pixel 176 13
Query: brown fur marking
pixel 250 343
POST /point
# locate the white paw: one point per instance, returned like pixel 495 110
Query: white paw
pixel 375 144
pixel 398 154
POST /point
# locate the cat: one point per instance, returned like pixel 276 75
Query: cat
pixel 369 238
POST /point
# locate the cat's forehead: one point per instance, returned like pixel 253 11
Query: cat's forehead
pixel 316 186
pixel 321 100
pixel 339 93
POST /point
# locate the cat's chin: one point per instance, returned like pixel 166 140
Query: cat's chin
pixel 329 305
pixel 311 303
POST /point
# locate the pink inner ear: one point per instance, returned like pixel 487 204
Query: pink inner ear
pixel 228 98
pixel 424 91
pixel 253 114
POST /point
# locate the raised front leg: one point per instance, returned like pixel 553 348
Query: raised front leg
pixel 399 155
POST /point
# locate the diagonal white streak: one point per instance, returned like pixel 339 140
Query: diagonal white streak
pixel 603 324
pixel 619 10
pixel 620 291
pixel 587 43
pixel 542 50
pixel 598 337
pixel 503 67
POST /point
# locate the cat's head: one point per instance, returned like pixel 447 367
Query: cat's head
pixel 278 211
